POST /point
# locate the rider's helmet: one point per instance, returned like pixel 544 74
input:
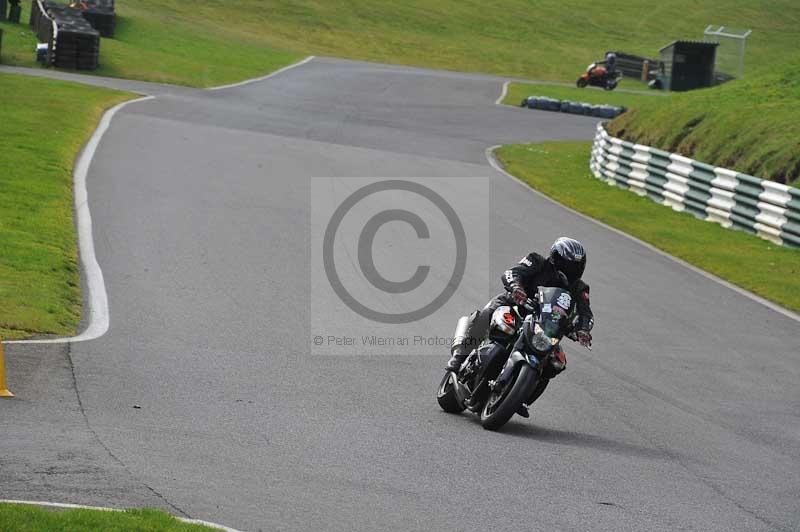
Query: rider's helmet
pixel 569 257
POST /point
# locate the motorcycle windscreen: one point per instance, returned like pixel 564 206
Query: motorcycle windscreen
pixel 556 307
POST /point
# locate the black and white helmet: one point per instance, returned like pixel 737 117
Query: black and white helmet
pixel 569 257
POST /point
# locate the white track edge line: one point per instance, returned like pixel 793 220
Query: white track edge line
pixel 262 78
pixel 490 156
pixel 503 93
pixel 98 298
pixel 105 509
pixel 95 284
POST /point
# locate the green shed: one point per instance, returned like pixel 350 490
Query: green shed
pixel 687 65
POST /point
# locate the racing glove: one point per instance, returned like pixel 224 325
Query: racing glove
pixel 585 338
pixel 518 295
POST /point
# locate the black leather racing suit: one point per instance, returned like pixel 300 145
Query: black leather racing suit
pixel 610 62
pixel 531 272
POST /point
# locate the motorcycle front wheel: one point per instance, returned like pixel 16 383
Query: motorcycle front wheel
pixel 446 395
pixel 581 83
pixel 502 404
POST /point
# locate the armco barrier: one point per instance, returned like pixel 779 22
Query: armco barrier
pixel 758 206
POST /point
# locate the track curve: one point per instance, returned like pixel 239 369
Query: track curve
pixel 685 416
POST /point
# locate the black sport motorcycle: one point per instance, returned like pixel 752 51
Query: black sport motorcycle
pixel 515 363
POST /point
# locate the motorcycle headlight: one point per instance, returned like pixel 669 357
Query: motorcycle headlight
pixel 540 341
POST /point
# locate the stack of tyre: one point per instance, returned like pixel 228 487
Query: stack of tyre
pixel 102 16
pixel 77 44
pixel 566 106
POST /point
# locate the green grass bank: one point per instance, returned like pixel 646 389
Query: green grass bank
pixel 28 518
pixel 750 125
pixel 560 170
pixel 215 41
pixel 43 125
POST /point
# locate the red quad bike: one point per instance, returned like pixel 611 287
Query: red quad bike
pixel 598 76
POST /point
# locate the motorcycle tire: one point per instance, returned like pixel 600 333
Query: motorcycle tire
pixel 446 395
pixel 538 391
pixel 498 410
pixel 610 86
pixel 581 83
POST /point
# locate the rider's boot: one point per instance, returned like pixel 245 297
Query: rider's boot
pixel 459 355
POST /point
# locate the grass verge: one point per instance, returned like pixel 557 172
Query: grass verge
pixel 215 41
pixel 154 41
pixel 559 170
pixel 44 124
pixel 750 125
pixel 28 518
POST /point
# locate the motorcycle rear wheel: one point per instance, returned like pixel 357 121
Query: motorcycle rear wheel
pixel 446 395
pixel 503 404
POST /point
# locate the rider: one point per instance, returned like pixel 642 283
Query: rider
pixel 568 257
pixel 610 63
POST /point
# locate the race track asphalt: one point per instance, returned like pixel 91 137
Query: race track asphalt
pixel 206 398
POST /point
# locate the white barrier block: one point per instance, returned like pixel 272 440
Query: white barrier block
pixel 726 179
pixel 676 184
pixel 775 194
pixel 616 149
pixel 614 158
pixel 721 200
pixel 680 168
pixel 721 216
pixel 673 200
pixel 640 155
pixel 637 182
pixel 771 215
pixel 768 233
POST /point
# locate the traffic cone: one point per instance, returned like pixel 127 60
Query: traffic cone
pixel 3 387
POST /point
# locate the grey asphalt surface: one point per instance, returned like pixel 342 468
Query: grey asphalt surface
pixel 684 417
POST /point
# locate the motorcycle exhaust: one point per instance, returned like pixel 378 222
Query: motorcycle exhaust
pixel 460 336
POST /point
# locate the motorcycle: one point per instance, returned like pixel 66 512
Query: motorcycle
pixel 515 363
pixel 598 76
